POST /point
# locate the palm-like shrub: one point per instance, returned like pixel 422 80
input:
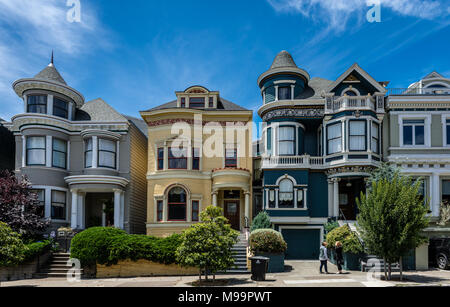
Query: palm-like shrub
pixel 267 241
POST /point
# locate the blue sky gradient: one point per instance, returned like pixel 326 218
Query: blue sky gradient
pixel 136 54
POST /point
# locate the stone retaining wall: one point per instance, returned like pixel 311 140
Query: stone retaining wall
pixel 24 271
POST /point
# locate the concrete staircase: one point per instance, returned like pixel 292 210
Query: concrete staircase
pixel 58 267
pixel 240 256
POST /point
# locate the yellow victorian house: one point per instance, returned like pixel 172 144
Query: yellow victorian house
pixel 199 154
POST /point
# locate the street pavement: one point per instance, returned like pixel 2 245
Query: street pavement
pixel 298 274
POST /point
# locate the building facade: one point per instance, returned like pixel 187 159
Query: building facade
pixel 417 134
pixel 85 161
pixel 320 140
pixel 195 160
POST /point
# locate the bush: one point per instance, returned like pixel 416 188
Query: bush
pixel 330 227
pixel 36 249
pixel 267 241
pixel 108 246
pixel 261 221
pixel 11 246
pixel 349 240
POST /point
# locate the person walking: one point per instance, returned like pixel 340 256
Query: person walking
pixel 339 256
pixel 323 257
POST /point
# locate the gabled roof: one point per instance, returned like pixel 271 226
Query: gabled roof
pixel 50 73
pixel 362 72
pixel 100 111
pixel 139 123
pixel 434 75
pixel 223 105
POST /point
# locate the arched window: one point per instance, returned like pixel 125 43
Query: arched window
pixel 350 92
pixel 286 194
pixel 177 204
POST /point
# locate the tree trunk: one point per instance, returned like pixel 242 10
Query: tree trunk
pixel 206 274
pixel 385 270
pixel 200 277
pixel 390 271
pixel 401 268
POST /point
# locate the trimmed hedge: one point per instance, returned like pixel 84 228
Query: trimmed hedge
pixel 267 241
pixel 34 250
pixel 348 238
pixel 108 246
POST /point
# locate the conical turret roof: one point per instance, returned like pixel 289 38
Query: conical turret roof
pixel 50 73
pixel 283 59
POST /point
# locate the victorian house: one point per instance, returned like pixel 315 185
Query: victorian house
pixel 320 140
pixel 85 160
pixel 418 139
pixel 199 154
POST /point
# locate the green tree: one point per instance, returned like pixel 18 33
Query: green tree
pixel 385 171
pixel 207 245
pixel 261 221
pixel 391 218
pixel 12 249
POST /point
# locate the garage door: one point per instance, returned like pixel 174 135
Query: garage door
pixel 303 244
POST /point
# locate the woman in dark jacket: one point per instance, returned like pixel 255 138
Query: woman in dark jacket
pixel 339 256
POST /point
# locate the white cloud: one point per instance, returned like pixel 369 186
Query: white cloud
pixel 29 30
pixel 336 14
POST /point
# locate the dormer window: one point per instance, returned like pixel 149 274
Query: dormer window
pixel 183 102
pixel 284 93
pixel 37 104
pixel 211 102
pixel 197 102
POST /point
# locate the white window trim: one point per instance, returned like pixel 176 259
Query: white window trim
pixel 275 133
pixel 445 117
pixel 351 89
pixel 413 116
pixel 48 201
pixel 343 138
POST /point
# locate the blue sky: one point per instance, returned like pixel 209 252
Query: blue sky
pixel 136 54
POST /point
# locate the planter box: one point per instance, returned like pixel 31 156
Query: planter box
pixel 276 263
pixel 23 271
pixel 142 268
pixel 351 261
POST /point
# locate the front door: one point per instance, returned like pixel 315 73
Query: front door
pixel 232 213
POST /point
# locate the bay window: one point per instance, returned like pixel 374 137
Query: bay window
pixel 107 153
pixel 334 138
pixel 414 132
pixel 59 153
pixel 286 141
pixel 58 205
pixel 40 197
pixel 284 93
pixel 177 201
pixel 36 148
pixel 37 104
pixel 160 159
pixel 269 141
pixel 88 151
pixel 177 158
pixel 286 194
pixel 375 137
pixel 60 108
pixel 357 135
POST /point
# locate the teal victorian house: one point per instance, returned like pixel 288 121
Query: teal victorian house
pixel 320 140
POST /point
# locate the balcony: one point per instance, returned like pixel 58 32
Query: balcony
pixel 306 162
pixel 418 91
pixel 356 103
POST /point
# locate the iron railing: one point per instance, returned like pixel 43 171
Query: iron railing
pixel 415 91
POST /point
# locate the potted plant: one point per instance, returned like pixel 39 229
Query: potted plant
pixel 269 243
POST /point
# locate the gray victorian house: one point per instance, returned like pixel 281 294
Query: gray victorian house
pixel 86 161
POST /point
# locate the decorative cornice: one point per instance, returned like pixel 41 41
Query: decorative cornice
pixel 189 122
pixel 290 112
pixel 91 179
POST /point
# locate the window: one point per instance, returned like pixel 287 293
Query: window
pixel 414 132
pixel 272 203
pixel 448 131
pixel 160 158
pixel 446 191
pixel 284 93
pixel 177 158
pixel 232 194
pixel 269 141
pixel 106 153
pixel 197 103
pixel 357 135
pixel 231 158
pixel 300 200
pixel 36 150
pixel 334 138
pixel 286 194
pixel 196 159
pixel 41 202
pixel 159 210
pixel 88 153
pixel 37 104
pixel 59 153
pixel 183 102
pixel 286 141
pixel 423 191
pixel 211 102
pixel 177 204
pixel 60 108
pixel 195 210
pixel 58 205
pixel 375 138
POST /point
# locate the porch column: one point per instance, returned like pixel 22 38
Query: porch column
pixel 435 194
pixel 214 198
pixel 330 198
pixel 94 152
pixel 81 210
pixel 74 217
pixel 117 202
pixel 122 210
pixel 247 208
pixel 103 215
pixel 336 197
